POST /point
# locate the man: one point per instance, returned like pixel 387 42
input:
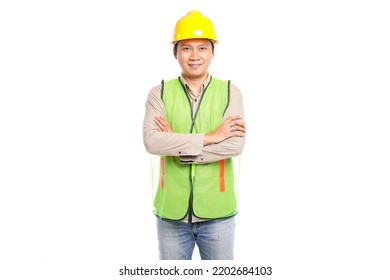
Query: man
pixel 195 123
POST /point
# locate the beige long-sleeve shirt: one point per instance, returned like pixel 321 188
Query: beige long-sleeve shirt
pixel 189 147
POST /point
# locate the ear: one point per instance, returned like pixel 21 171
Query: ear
pixel 175 53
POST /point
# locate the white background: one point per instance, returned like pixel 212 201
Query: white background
pixel 75 199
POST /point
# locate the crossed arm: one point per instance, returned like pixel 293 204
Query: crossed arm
pixel 230 127
pixel 227 140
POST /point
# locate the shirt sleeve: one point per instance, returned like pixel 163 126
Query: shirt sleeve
pixel 166 143
pixel 231 147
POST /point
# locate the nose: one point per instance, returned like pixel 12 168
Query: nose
pixel 194 54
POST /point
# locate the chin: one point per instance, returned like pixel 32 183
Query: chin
pixel 196 74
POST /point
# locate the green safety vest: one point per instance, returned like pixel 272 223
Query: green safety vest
pixel 205 190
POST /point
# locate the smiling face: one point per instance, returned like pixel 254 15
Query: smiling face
pixel 194 57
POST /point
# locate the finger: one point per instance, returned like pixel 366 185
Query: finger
pixel 235 120
pixel 238 129
pixel 160 121
pixel 165 124
pixel 159 124
pixel 231 119
pixel 239 134
pixel 234 117
pixel 162 124
pixel 240 125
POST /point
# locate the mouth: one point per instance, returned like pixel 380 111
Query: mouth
pixel 194 66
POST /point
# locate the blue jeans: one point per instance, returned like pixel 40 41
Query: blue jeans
pixel 214 238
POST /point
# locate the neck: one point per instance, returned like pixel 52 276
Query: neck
pixel 195 83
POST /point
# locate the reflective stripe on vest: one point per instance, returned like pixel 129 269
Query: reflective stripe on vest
pixel 222 175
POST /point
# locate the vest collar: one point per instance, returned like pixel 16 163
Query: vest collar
pixel 205 83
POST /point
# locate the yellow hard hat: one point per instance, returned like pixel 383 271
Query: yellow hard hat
pixel 194 25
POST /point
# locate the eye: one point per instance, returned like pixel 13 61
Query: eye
pixel 202 49
pixel 186 49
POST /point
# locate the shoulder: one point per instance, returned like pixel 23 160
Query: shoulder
pixel 233 87
pixel 235 90
pixel 155 91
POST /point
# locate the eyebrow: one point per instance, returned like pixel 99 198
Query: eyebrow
pixel 189 45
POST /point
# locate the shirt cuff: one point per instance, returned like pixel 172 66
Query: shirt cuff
pixel 194 153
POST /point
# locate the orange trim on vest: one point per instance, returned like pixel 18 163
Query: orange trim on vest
pixel 222 175
pixel 162 172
